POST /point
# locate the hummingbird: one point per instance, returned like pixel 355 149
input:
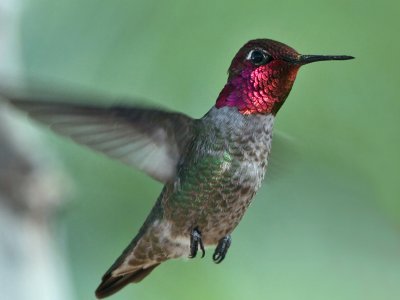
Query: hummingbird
pixel 211 167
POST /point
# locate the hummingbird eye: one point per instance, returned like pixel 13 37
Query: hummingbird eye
pixel 258 57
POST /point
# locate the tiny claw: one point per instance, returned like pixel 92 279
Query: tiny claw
pixel 222 249
pixel 195 243
pixel 203 252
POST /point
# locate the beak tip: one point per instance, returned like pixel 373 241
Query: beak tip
pixel 347 57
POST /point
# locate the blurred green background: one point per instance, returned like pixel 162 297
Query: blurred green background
pixel 326 225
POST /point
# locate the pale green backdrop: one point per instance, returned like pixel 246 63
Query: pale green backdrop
pixel 326 226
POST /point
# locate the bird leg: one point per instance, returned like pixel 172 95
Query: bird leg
pixel 222 249
pixel 195 243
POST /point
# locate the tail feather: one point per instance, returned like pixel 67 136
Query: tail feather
pixel 110 285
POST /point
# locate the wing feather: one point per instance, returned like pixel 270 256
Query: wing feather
pixel 150 139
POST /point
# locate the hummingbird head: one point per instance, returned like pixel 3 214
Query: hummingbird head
pixel 262 74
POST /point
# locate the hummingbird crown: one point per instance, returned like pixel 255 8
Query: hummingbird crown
pixel 262 74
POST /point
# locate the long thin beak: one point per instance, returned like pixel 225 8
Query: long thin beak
pixel 306 59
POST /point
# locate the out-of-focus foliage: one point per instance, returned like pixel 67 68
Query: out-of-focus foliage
pixel 327 224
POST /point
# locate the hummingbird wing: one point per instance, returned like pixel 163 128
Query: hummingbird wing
pixel 151 140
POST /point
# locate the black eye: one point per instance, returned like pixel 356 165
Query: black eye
pixel 258 57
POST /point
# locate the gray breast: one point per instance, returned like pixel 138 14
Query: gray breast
pixel 246 141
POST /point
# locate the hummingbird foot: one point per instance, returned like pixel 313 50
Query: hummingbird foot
pixel 195 243
pixel 222 249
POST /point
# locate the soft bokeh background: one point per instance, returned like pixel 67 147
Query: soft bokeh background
pixel 326 225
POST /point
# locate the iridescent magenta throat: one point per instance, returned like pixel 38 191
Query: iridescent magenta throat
pixel 261 90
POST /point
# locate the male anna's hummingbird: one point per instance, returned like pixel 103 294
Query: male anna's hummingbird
pixel 211 167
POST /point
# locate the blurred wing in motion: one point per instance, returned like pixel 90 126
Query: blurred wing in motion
pixel 284 157
pixel 149 139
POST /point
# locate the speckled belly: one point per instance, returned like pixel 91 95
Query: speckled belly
pixel 216 204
